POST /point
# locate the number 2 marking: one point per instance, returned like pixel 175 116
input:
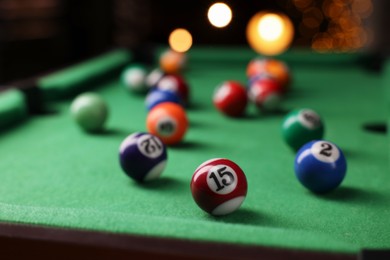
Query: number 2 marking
pixel 222 173
pixel 326 151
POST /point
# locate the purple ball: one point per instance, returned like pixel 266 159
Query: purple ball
pixel 142 156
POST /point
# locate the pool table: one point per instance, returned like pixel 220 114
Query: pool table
pixel 63 191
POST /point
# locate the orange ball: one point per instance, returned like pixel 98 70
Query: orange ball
pixel 172 62
pixel 273 67
pixel 168 121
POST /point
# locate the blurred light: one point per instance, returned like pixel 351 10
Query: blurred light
pixel 362 8
pixel 302 4
pixel 312 17
pixel 269 33
pixel 219 15
pixel 270 27
pixel 180 40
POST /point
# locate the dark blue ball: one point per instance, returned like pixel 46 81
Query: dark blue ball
pixel 320 166
pixel 157 96
pixel 142 156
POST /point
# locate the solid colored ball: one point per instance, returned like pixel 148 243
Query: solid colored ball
pixel 90 111
pixel 177 85
pixel 275 68
pixel 134 78
pixel 142 156
pixel 158 96
pixel 266 94
pixel 230 98
pixel 301 126
pixel 168 121
pixel 320 166
pixel 172 62
pixel 219 186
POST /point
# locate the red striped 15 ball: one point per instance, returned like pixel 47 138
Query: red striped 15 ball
pixel 230 98
pixel 142 156
pixel 219 186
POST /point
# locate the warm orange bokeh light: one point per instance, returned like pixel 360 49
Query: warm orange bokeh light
pixel 269 33
pixel 180 40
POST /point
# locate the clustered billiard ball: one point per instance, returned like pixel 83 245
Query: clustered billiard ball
pixel 230 98
pixel 177 85
pixel 89 111
pixel 266 94
pixel 142 156
pixel 168 121
pixel 320 166
pixel 158 96
pixel 134 78
pixel 274 68
pixel 173 62
pixel 219 186
pixel 268 82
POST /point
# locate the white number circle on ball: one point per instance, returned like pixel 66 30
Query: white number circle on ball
pixel 222 179
pixel 150 146
pixel 325 152
pixel 309 119
pixel 168 83
pixel 166 126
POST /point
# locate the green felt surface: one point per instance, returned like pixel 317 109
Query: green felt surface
pixel 58 175
pixel 13 108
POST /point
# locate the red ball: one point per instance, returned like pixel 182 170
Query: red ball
pixel 177 85
pixel 219 186
pixel 266 94
pixel 276 68
pixel 230 98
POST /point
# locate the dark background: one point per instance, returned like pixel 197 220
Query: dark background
pixel 37 36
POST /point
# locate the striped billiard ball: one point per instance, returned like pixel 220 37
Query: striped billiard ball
pixel 142 156
pixel 320 166
pixel 219 186
pixel 301 126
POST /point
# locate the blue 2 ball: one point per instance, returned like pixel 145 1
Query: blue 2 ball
pixel 142 156
pixel 320 166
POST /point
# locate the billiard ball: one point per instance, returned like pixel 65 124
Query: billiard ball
pixel 276 68
pixel 219 186
pixel 301 126
pixel 89 111
pixel 154 77
pixel 142 156
pixel 168 121
pixel 157 96
pixel 172 62
pixel 134 78
pixel 230 98
pixel 175 84
pixel 266 94
pixel 320 166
